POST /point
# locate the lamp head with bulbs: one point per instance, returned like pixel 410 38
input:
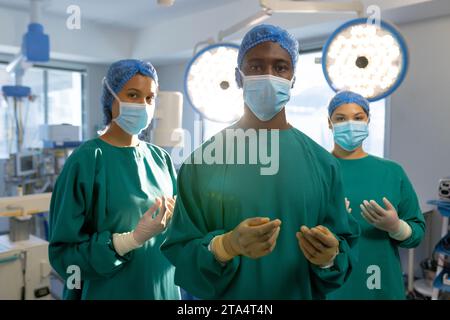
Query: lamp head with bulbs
pixel 368 58
pixel 210 84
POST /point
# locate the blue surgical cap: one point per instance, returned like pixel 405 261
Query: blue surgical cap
pixel 266 32
pixel 346 97
pixel 119 73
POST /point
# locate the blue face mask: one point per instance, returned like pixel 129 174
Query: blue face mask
pixel 133 117
pixel 350 135
pixel 266 95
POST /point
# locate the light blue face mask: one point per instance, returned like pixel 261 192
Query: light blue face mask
pixel 133 117
pixel 350 135
pixel 266 95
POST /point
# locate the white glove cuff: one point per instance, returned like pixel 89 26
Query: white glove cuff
pixel 403 233
pixel 124 243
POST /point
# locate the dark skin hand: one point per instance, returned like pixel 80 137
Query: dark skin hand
pixel 254 237
pixel 266 58
pixel 318 244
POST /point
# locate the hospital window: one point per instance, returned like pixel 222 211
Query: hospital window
pixel 307 109
pixel 57 98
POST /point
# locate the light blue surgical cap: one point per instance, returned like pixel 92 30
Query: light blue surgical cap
pixel 346 97
pixel 266 32
pixel 119 73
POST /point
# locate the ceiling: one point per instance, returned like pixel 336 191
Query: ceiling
pixel 128 28
pixel 139 14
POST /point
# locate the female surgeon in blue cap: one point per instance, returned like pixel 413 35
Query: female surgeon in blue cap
pixel 114 199
pixel 382 199
pixel 241 234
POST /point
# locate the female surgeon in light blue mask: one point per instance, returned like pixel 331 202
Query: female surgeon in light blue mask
pixel 381 198
pixel 114 199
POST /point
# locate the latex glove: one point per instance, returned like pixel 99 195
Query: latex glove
pixel 148 227
pixel 253 238
pixel 318 244
pixel 347 206
pixel 383 219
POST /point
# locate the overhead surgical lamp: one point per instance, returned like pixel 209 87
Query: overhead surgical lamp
pixel 210 83
pixel 368 58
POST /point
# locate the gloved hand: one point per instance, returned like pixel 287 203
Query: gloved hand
pixel 383 219
pixel 148 227
pixel 347 206
pixel 318 244
pixel 253 238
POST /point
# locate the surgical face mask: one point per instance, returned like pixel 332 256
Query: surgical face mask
pixel 266 95
pixel 133 117
pixel 350 135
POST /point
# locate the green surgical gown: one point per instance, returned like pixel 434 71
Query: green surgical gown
pixel 103 190
pixel 378 274
pixel 215 198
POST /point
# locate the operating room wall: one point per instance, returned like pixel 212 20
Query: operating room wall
pixel 420 117
pixel 171 78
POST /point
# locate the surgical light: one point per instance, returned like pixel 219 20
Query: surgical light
pixel 368 58
pixel 210 83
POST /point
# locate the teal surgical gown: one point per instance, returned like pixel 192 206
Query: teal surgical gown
pixel 214 197
pixel 378 274
pixel 104 190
